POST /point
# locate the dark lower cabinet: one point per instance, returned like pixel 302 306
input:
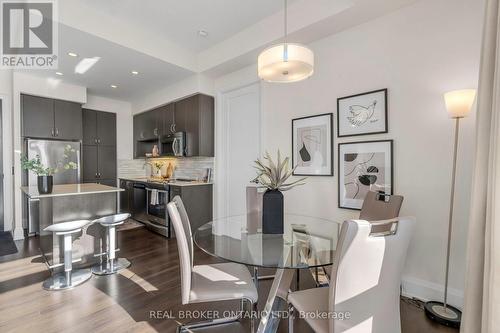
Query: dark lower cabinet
pixel 127 196
pixel 198 201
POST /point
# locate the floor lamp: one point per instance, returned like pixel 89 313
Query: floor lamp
pixel 458 103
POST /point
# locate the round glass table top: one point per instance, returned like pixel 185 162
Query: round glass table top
pixel 306 242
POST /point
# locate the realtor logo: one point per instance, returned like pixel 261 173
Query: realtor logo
pixel 29 34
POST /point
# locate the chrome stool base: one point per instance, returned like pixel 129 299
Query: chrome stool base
pixel 106 268
pixel 58 281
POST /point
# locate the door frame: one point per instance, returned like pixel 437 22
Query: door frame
pixel 221 184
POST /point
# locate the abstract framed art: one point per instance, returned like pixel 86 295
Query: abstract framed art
pixel 362 114
pixel 364 166
pixel 312 145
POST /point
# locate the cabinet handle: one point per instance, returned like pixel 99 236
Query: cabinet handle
pixel 173 127
pixel 98 140
pixel 155 132
pixel 52 132
pixel 142 135
pixel 57 131
pixel 95 141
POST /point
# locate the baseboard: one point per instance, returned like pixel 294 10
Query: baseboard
pixel 429 291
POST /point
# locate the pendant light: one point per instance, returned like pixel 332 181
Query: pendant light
pixel 285 62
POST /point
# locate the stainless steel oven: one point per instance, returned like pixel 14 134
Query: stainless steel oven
pixel 173 144
pixel 156 210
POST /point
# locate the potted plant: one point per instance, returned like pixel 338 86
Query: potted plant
pixel 45 180
pixel 273 177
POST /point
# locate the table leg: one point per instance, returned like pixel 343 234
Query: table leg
pixel 276 301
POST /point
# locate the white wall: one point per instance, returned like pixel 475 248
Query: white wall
pixel 418 53
pixel 124 125
pixel 197 83
pixel 8 180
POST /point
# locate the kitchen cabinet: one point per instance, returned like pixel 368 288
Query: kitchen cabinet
pixel 127 196
pixel 67 120
pixel 195 116
pixel 198 201
pixel 147 125
pixel 99 128
pixel 99 147
pixel 168 117
pixel 47 118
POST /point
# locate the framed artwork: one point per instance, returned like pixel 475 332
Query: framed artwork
pixel 362 114
pixel 312 145
pixel 364 166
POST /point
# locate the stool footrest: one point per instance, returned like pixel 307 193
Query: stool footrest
pixel 62 264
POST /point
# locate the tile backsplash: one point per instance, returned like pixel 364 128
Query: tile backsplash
pixel 186 167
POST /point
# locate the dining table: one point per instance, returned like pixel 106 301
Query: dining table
pixel 307 242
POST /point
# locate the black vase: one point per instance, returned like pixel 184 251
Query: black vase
pixel 45 184
pixel 272 212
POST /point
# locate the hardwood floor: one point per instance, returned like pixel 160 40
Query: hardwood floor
pixel 124 302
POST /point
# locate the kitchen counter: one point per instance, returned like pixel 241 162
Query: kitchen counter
pixel 71 202
pixel 69 190
pixel 171 183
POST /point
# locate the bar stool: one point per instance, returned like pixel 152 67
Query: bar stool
pixel 112 264
pixel 69 278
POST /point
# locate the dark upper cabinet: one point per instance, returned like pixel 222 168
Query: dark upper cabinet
pixel 195 116
pixel 168 116
pixel 89 127
pixel 106 128
pixel 99 128
pixel 51 119
pixel 68 120
pixel 99 147
pixel 37 116
pixel 148 125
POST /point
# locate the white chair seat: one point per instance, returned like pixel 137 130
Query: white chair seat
pixel 69 226
pixel 219 282
pixel 312 300
pixel 112 220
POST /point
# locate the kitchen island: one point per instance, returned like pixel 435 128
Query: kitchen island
pixel 71 202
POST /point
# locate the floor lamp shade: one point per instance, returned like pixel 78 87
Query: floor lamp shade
pixel 459 102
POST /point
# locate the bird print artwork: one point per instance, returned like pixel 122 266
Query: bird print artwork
pixel 359 114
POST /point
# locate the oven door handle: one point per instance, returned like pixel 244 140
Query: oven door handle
pixel 159 191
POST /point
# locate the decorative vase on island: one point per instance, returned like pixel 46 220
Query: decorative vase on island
pixel 272 212
pixel 45 184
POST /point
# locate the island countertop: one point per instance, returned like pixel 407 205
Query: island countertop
pixel 69 190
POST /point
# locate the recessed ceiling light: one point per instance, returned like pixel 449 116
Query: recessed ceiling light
pixel 59 73
pixel 114 86
pixel 135 73
pixel 203 33
pixel 72 54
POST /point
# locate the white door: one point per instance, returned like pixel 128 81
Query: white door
pixel 238 145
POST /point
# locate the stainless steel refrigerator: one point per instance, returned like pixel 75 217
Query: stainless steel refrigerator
pixel 50 152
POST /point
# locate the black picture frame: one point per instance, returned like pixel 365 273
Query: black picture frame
pixel 386 113
pixel 330 123
pixel 341 177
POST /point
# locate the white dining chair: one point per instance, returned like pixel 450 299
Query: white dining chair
pixel 208 283
pixel 364 287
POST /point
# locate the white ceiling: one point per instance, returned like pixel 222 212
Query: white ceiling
pixel 159 38
pixel 180 20
pixel 114 67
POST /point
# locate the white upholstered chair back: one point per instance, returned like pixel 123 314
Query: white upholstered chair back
pixel 365 282
pixel 184 245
